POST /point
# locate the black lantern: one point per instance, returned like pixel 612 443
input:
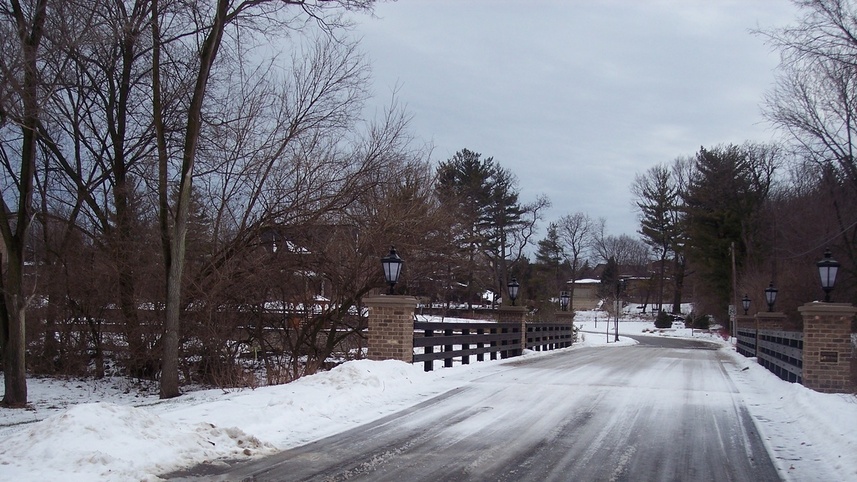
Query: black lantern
pixel 771 296
pixel 392 264
pixel 745 303
pixel 563 300
pixel 513 290
pixel 827 269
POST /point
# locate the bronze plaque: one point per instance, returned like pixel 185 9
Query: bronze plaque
pixel 829 357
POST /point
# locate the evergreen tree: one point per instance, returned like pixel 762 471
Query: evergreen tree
pixel 551 270
pixel 494 226
pixel 722 203
pixel 658 203
pixel 609 279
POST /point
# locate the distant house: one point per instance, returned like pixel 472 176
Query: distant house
pixel 585 293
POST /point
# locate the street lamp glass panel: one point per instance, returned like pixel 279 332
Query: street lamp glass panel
pixel 771 296
pixel 563 299
pixel 392 264
pixel 513 289
pixel 827 270
pixel 745 303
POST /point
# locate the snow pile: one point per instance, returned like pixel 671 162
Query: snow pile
pixel 801 427
pixel 316 406
pixel 104 441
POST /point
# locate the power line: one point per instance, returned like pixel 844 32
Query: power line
pixel 824 243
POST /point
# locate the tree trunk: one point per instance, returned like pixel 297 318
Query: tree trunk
pixel 661 282
pixel 14 343
pixel 678 275
pixel 174 236
pixel 170 354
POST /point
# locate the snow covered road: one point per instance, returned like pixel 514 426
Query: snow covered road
pixel 664 409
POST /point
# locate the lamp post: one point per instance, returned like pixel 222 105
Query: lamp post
pixel 392 265
pixel 745 303
pixel 513 287
pixel 563 300
pixel 771 296
pixel 827 269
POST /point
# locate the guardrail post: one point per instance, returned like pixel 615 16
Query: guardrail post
pixel 480 356
pixel 391 327
pixel 465 359
pixel 827 352
pixel 428 365
pixel 447 362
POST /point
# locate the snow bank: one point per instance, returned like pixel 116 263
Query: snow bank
pixel 105 441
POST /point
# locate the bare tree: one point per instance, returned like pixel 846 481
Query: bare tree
pixel 21 107
pixel 98 131
pixel 202 32
pixel 815 100
pixel 576 232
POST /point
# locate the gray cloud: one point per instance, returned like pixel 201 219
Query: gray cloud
pixel 576 97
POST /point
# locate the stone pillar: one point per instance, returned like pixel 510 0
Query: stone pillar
pixel 565 317
pixel 391 327
pixel 511 314
pixel 827 346
pixel 746 321
pixel 767 320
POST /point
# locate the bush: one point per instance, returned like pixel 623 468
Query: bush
pixel 701 322
pixel 663 320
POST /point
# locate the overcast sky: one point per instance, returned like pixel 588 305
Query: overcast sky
pixel 576 97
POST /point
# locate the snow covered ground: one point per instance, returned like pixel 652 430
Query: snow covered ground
pixel 108 430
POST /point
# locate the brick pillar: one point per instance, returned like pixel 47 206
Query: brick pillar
pixel 565 317
pixel 391 327
pixel 511 314
pixel 746 321
pixel 827 346
pixel 767 320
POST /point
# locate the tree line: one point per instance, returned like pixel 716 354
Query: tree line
pixel 733 219
pixel 180 194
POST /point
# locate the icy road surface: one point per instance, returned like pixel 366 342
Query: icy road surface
pixel 662 410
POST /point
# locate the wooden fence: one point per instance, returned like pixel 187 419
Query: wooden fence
pixel 450 341
pixel 549 336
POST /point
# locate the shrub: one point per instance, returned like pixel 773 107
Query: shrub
pixel 663 320
pixel 702 322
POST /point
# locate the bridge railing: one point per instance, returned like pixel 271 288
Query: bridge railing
pixel 462 341
pixel 549 336
pixel 746 341
pixel 782 353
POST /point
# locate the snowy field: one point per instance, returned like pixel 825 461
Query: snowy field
pixel 108 430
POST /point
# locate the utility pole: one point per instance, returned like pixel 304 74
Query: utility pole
pixel 734 309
